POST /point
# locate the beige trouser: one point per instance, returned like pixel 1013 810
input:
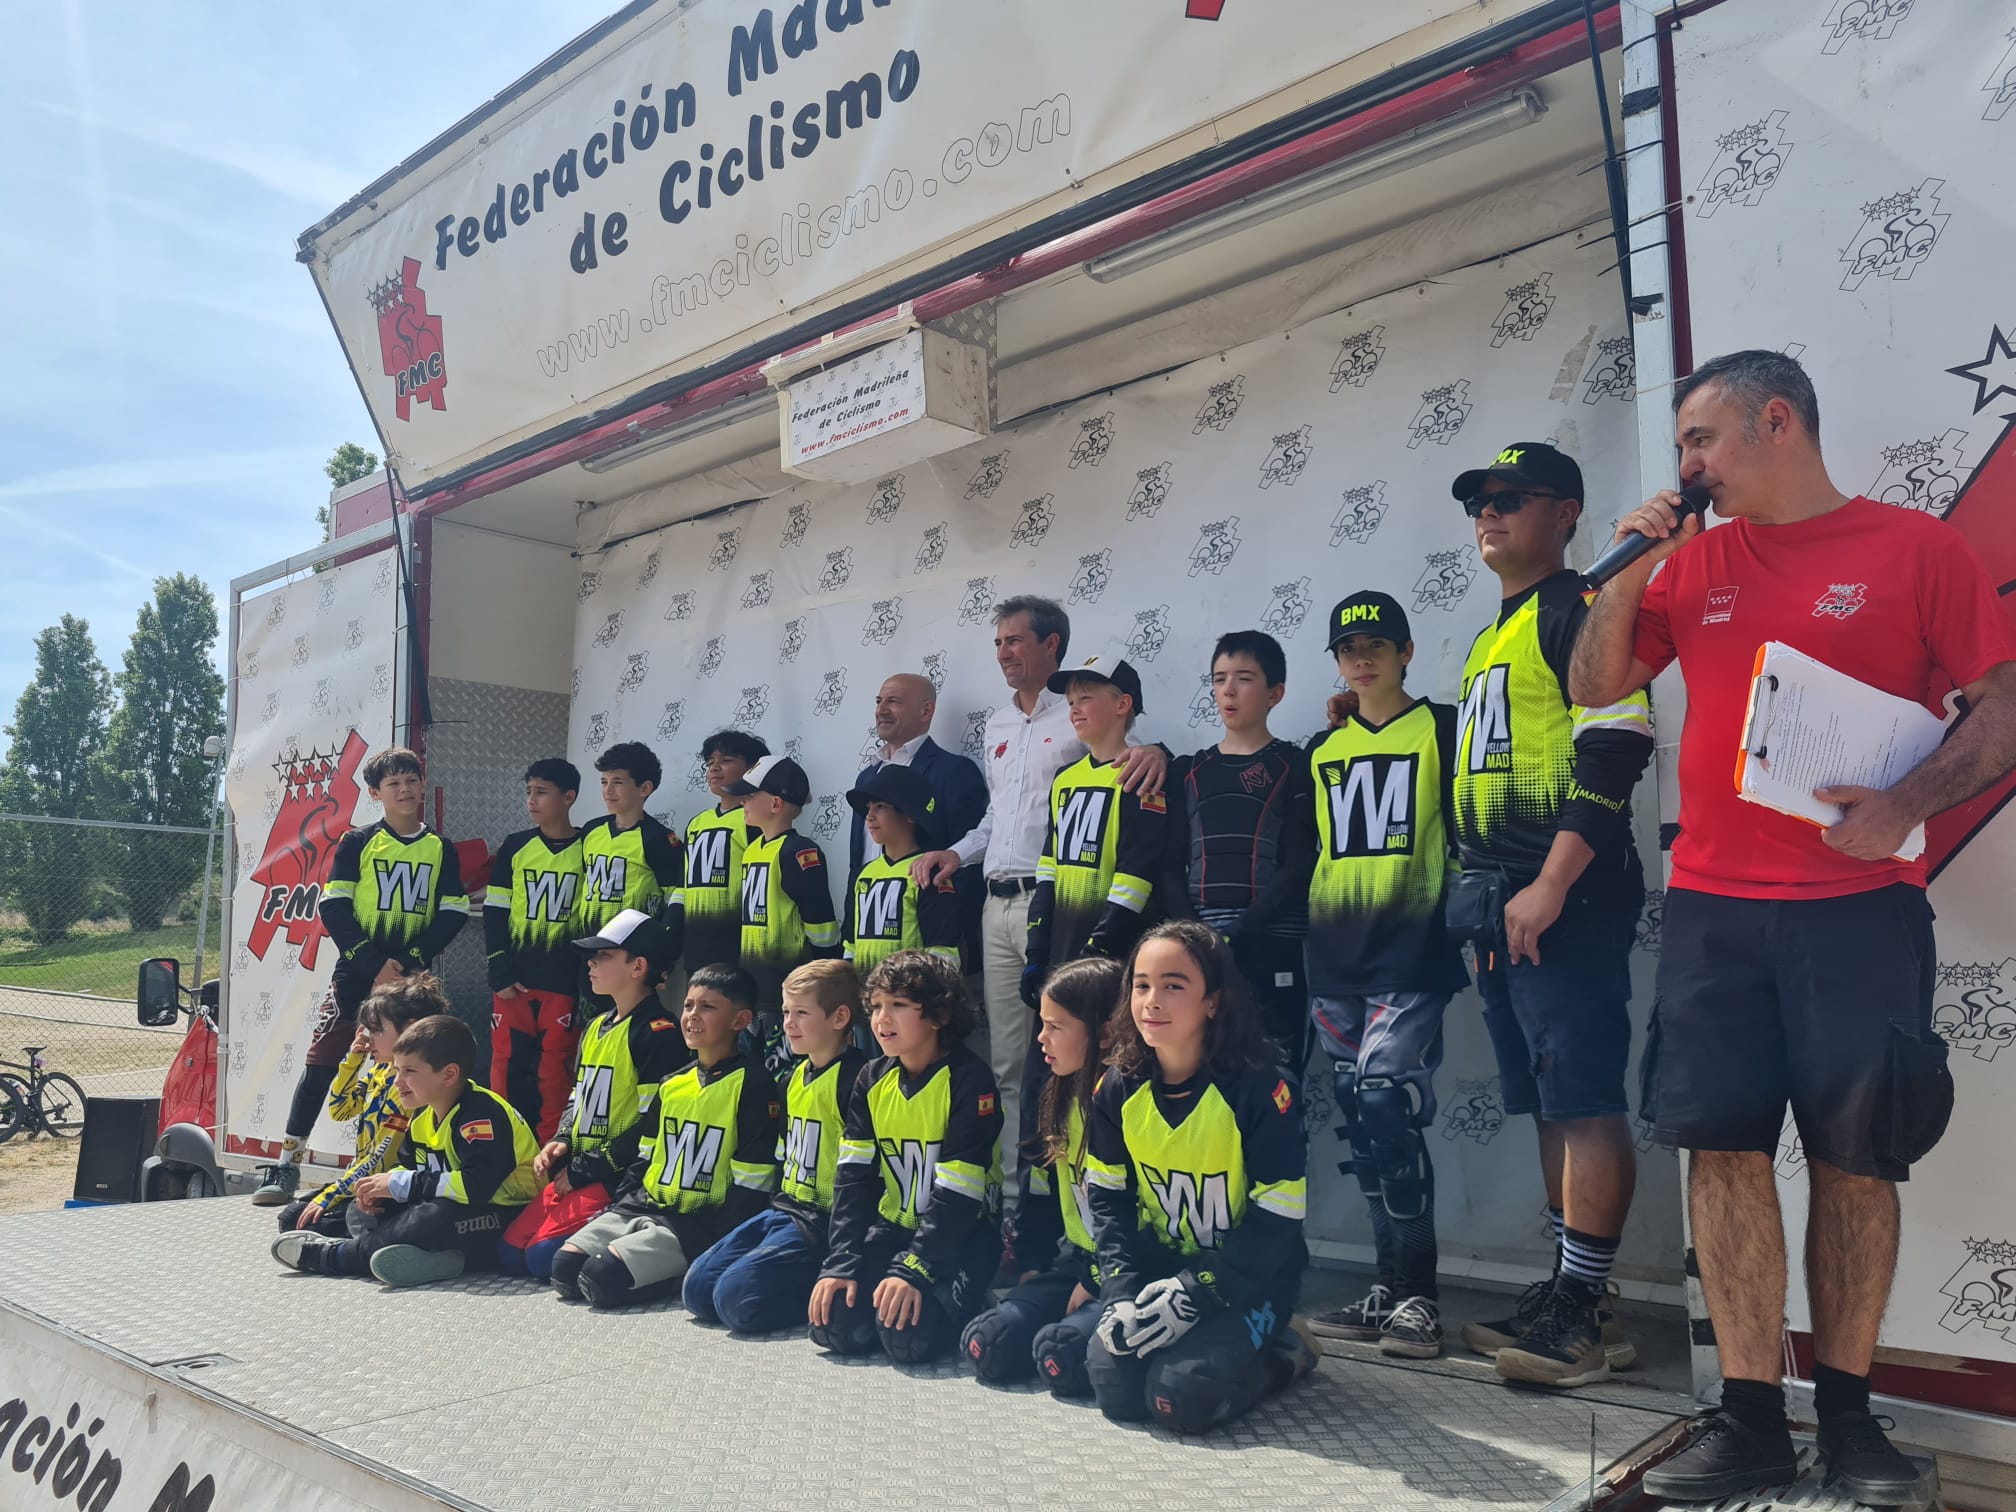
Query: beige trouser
pixel 1004 937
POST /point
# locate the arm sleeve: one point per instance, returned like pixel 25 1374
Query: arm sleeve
pixel 382 1156
pixel 503 968
pixel 1613 744
pixel 854 1185
pixel 1043 901
pixel 338 907
pixel 1652 636
pixel 959 1184
pixel 801 871
pixel 850 904
pixel 752 1169
pixel 665 854
pixel 1039 1221
pixel 486 1163
pixel 1964 624
pixel 938 921
pixel 1109 1194
pixel 1266 1243
pixel 1295 847
pixel 975 811
pixel 1172 879
pixel 347 1098
pixel 1445 740
pixel 451 910
pixel 1142 825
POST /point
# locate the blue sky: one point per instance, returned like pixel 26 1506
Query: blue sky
pixel 173 386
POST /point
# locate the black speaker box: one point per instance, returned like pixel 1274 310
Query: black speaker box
pixel 119 1133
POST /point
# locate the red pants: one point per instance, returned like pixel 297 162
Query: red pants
pixel 532 1040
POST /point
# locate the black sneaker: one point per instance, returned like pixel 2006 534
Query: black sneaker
pixel 1360 1322
pixel 278 1189
pixel 1489 1338
pixel 1863 1463
pixel 1413 1330
pixel 1562 1346
pixel 1724 1458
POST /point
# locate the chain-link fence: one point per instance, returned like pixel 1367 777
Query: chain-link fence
pixel 82 904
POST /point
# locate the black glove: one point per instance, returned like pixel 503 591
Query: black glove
pixel 1033 977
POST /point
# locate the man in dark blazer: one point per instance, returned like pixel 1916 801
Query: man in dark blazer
pixel 903 710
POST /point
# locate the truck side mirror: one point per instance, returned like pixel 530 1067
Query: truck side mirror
pixel 159 999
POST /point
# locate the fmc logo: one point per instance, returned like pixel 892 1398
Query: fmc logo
pixel 409 341
pixel 318 800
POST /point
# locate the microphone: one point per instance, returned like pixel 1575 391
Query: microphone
pixel 1693 501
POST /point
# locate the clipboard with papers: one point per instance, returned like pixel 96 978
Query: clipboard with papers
pixel 1810 725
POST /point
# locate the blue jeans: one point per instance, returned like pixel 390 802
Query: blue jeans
pixel 1561 1029
pixel 757 1278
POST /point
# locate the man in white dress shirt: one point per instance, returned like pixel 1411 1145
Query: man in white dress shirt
pixel 1029 741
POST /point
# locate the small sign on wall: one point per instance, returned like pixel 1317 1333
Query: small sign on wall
pixel 915 397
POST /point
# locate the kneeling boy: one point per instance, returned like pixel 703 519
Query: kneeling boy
pixel 760 1276
pixel 912 1252
pixel 475 1171
pixel 624 1055
pixel 705 1160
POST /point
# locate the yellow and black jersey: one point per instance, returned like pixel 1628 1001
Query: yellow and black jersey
pixel 920 1166
pixel 621 1059
pixel 479 1154
pixel 1053 1225
pixel 888 912
pixel 808 1150
pixel 710 898
pixel 787 910
pixel 708 1146
pixel 389 897
pixel 531 913
pixel 365 1093
pixel 1206 1179
pixel 640 867
pixel 1383 855
pixel 1095 882
pixel 1530 763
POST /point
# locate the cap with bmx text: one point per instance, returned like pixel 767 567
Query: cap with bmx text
pixel 1369 613
pixel 1532 463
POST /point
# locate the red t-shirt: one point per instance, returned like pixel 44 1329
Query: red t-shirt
pixel 1895 598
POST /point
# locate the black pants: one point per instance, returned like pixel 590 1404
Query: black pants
pixel 853 1329
pixel 1273 968
pixel 333 1224
pixel 432 1225
pixel 1216 1372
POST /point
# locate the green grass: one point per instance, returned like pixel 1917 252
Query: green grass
pixel 100 959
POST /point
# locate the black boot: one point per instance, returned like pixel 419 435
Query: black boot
pixel 1725 1458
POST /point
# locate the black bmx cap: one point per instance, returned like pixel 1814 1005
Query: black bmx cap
pixel 636 933
pixel 1533 464
pixel 903 790
pixel 780 777
pixel 1368 613
pixel 1110 665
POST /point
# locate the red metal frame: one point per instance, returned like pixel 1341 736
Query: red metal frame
pixel 1524 64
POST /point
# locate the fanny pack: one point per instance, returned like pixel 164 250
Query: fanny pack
pixel 1473 907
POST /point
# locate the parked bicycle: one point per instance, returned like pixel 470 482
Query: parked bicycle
pixel 47 1101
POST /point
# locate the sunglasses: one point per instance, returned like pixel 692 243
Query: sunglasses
pixel 1508 503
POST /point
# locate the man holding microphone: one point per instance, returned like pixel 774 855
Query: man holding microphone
pixel 1798 962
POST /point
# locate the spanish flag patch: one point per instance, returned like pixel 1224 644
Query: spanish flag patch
pixel 809 858
pixel 476 1130
pixel 1283 1098
pixel 986 1103
pixel 1156 805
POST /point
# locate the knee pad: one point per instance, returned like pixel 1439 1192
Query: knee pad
pixel 566 1272
pixel 1399 1156
pixel 1194 1395
pixel 1357 1159
pixel 854 1333
pixel 605 1282
pixel 997 1342
pixel 1059 1355
pixel 921 1342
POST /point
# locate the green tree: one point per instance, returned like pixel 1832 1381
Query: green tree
pixel 153 770
pixel 54 744
pixel 345 466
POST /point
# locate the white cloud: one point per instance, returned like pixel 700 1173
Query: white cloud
pixel 142 474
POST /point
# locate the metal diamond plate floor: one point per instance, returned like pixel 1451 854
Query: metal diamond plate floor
pixel 550 1405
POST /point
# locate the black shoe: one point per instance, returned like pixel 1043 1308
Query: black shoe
pixel 1563 1346
pixel 1502 1333
pixel 1724 1458
pixel 1863 1463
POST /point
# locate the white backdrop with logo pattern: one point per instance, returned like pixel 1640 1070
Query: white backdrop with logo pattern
pixel 1250 489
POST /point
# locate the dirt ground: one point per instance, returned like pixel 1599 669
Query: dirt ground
pixel 36 1173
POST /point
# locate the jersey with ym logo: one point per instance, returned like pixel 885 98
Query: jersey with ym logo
pixel 1530 763
pixel 920 1172
pixel 787 911
pixel 530 913
pixel 389 897
pixel 1095 881
pixel 808 1148
pixel 480 1154
pixel 711 896
pixel 1383 856
pixel 622 1061
pixel 635 868
pixel 712 1131
pixel 1205 1179
pixel 889 912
